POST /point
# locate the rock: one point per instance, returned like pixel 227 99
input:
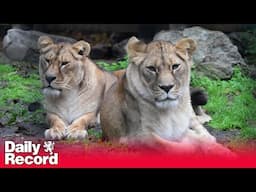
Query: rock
pixel 20 45
pixel 224 136
pixel 4 59
pixel 215 55
pixel 226 28
pixel 118 49
pixel 246 43
pixel 100 51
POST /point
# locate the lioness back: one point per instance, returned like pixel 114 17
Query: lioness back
pixel 112 119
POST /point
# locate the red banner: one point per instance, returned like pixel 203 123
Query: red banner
pixel 28 154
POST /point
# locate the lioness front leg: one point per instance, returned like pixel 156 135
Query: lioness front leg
pixel 201 115
pixel 77 130
pixel 200 129
pixel 57 127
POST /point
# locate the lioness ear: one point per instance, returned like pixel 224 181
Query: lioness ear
pixel 135 47
pixel 44 41
pixel 186 46
pixel 82 48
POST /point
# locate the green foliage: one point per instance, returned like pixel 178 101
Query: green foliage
pixel 249 133
pixel 26 89
pixel 231 103
pixel 114 66
pixel 16 93
pixel 94 133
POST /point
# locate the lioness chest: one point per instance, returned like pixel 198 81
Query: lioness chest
pixel 75 105
pixel 170 125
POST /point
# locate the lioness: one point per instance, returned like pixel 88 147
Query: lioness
pixel 73 87
pixel 151 102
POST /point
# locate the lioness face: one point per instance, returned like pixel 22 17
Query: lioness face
pixel 61 65
pixel 164 69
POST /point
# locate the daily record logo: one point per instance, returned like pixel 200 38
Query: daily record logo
pixel 30 153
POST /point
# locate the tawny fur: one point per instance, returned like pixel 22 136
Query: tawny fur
pixel 137 110
pixel 74 97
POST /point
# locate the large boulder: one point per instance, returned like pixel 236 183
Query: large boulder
pixel 20 45
pixel 215 55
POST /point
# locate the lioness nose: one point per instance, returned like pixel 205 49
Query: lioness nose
pixel 49 79
pixel 166 88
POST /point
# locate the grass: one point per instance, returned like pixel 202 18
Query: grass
pixel 16 93
pixel 96 135
pixel 19 87
pixel 231 103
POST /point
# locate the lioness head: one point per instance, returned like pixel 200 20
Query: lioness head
pixel 61 66
pixel 160 70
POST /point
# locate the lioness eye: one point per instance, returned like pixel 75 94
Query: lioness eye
pixel 175 66
pixel 151 68
pixel 64 63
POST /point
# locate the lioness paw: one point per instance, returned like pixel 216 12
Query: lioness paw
pixel 204 118
pixel 77 134
pixel 201 135
pixel 54 134
pixel 207 136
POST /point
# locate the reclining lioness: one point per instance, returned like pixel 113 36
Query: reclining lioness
pixel 73 87
pixel 151 103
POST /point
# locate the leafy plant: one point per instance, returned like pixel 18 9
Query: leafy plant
pixel 122 64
